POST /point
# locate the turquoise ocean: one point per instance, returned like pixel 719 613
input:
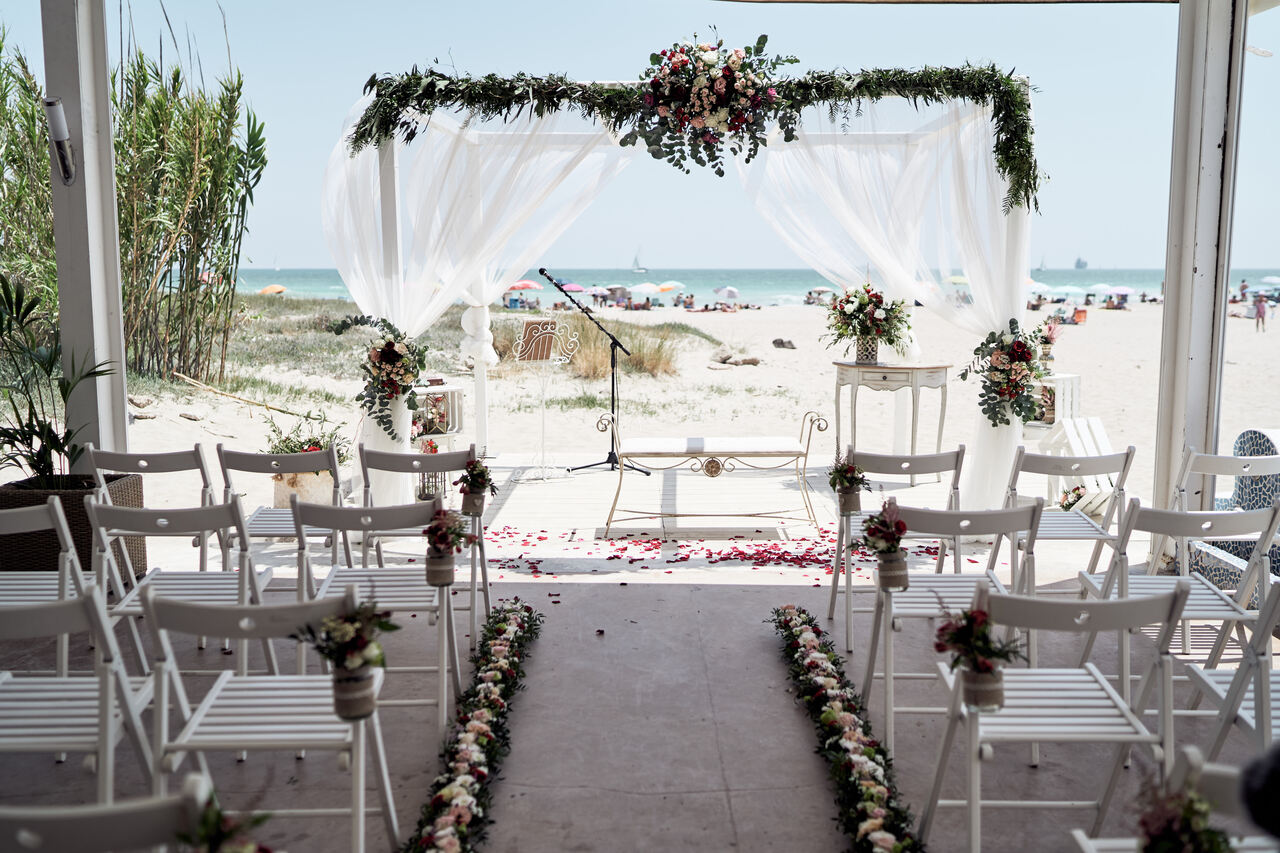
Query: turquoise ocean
pixel 758 287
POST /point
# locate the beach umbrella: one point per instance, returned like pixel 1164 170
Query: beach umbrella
pixel 525 284
pixel 727 293
pixel 570 287
pixel 668 286
pixel 1123 290
pixel 1069 290
pixel 823 289
pixel 272 289
pixel 1037 286
pixel 1104 289
pixel 645 288
pixel 1271 279
pixel 596 291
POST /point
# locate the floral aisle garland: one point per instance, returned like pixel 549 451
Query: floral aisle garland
pixel 455 817
pixel 403 104
pixel 871 811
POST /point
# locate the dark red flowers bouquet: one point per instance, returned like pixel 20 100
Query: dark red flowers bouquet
pixel 447 533
pixel 1010 370
pixel 969 639
pixel 883 533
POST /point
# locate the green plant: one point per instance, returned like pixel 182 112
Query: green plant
pixel 35 386
pixel 313 438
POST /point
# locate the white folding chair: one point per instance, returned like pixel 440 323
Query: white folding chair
pixel 442 465
pixel 263 713
pixel 219 521
pixel 1070 705
pixel 399 589
pixel 1207 602
pixel 934 595
pixel 1073 524
pixel 1217 784
pixel 19 589
pixel 73 713
pixel 1247 697
pixel 175 462
pixel 274 523
pixel 126 825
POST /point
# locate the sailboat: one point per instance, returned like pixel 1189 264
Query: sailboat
pixel 635 264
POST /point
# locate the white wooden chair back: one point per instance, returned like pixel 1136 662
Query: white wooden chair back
pixel 240 622
pixel 72 616
pixel 917 464
pixel 1187 494
pixel 33 519
pixel 129 825
pixel 410 463
pixel 364 519
pixel 173 462
pixel 1103 476
pixel 1082 437
pixel 279 463
pixel 976 522
pixel 1218 784
pixel 1079 617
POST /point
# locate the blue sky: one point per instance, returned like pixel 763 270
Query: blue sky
pixel 1103 108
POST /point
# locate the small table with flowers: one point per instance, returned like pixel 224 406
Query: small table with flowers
pixel 890 377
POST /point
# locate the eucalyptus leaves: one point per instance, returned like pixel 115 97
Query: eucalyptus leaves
pixel 403 104
pixel 391 366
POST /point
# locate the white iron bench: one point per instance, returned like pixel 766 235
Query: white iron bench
pixel 713 456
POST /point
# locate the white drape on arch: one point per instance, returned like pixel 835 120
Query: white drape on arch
pixel 913 193
pixel 477 202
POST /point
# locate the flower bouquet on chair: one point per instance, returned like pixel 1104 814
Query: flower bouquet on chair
pixel 849 481
pixel 446 536
pixel 474 482
pixel 978 654
pixel 349 642
pixel 883 534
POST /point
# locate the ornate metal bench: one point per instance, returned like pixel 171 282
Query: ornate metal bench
pixel 713 456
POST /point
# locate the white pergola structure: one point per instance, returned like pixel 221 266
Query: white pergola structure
pixel 1211 47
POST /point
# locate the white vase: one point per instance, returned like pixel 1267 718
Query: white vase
pixel 389 488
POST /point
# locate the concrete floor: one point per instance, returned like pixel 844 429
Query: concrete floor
pixel 673 729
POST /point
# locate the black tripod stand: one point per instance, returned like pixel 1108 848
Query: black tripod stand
pixel 614 345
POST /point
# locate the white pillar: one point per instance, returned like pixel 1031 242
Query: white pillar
pixel 85 230
pixel 1206 124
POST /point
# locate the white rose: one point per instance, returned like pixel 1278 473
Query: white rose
pixel 880 314
pixel 700 82
pixel 848 308
pixel 710 57
pixel 372 652
pixel 354 661
pixel 1007 340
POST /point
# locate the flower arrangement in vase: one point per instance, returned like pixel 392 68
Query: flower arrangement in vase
pixel 476 479
pixel 883 534
pixel 390 367
pixel 446 536
pixel 1007 363
pixel 349 642
pixel 848 481
pixel 1050 330
pixel 699 96
pixel 865 317
pixel 968 637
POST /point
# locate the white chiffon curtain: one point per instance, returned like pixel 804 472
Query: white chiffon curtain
pixel 477 203
pixel 914 194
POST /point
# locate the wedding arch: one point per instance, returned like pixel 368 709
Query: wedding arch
pixel 500 166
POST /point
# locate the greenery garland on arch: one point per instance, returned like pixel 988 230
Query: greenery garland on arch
pixel 403 103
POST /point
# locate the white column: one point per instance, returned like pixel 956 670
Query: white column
pixel 1206 124
pixel 85 230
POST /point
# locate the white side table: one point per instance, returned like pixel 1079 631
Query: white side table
pixel 1065 388
pixel 890 377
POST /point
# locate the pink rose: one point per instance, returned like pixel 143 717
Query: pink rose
pixel 663 112
pixel 451 844
pixel 444 821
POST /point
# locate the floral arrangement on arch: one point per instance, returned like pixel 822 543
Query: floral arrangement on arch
pixel 697 96
pixel 390 368
pixel 454 817
pixel 865 313
pixel 871 811
pixel 1009 368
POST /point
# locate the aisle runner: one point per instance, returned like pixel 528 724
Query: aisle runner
pixel 872 813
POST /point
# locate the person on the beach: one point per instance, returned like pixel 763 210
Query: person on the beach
pixel 1259 313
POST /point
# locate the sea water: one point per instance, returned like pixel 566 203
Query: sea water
pixel 757 287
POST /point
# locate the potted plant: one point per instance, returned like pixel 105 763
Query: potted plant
pixel 864 316
pixel 883 534
pixel 35 437
pixel 446 536
pixel 974 649
pixel 307 436
pixel 476 479
pixel 849 482
pixel 349 642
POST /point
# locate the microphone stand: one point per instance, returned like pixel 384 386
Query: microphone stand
pixel 614 345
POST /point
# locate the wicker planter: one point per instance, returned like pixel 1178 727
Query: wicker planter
pixel 850 500
pixel 439 569
pixel 39 551
pixel 867 349
pixel 891 571
pixel 353 694
pixel 982 691
pixel 313 488
pixel 473 503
